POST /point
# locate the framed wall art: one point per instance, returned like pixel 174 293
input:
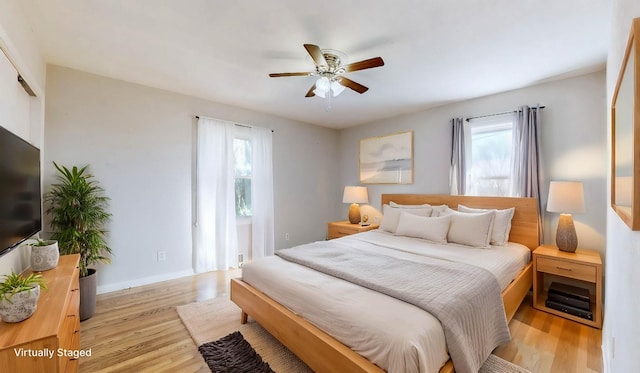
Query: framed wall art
pixel 625 138
pixel 387 159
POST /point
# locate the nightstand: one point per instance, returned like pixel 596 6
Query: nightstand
pixel 339 229
pixel 584 268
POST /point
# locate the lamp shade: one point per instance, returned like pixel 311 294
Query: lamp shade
pixel 566 197
pixel 355 194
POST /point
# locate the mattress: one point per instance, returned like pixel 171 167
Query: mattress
pixel 396 336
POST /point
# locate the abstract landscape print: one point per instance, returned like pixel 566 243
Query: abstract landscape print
pixel 387 159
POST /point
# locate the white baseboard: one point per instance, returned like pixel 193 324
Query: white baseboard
pixel 143 281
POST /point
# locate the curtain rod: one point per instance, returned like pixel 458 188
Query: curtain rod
pixel 235 124
pixel 505 112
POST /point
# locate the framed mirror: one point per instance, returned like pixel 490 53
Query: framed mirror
pixel 625 134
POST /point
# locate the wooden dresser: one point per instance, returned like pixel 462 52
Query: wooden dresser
pixel 53 329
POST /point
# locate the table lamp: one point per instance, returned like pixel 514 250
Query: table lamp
pixel 566 197
pixel 355 195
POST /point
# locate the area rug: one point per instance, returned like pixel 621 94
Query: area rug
pixel 219 317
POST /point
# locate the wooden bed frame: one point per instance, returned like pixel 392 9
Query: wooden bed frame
pixel 323 353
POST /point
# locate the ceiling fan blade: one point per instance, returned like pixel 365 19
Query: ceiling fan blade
pixel 315 53
pixel 310 92
pixel 278 75
pixel 365 64
pixel 353 85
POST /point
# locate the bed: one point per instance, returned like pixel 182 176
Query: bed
pixel 324 353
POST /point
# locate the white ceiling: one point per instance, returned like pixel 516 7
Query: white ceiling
pixel 435 51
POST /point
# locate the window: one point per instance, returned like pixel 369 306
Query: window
pixel 242 165
pixel 489 156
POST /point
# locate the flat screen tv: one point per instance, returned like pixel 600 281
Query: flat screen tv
pixel 20 195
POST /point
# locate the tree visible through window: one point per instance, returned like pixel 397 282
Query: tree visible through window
pixel 242 165
pixel 489 171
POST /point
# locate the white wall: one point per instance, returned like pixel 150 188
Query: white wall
pixel 19 113
pixel 138 142
pixel 621 323
pixel 573 146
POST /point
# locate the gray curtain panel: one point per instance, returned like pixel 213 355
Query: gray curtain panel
pixel 457 176
pixel 526 162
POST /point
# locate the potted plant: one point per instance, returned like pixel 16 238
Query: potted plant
pixel 77 205
pixel 44 255
pixel 19 296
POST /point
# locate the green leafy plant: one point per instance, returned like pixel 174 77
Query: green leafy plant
pixel 78 215
pixel 42 242
pixel 14 284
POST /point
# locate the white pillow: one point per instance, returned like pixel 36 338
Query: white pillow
pixel 439 210
pixel 471 229
pixel 393 204
pixel 391 215
pixel 444 211
pixel 501 223
pixel 428 228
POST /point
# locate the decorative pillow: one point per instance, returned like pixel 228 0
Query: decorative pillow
pixel 444 211
pixel 471 229
pixel 393 204
pixel 438 210
pixel 428 228
pixel 501 223
pixel 391 215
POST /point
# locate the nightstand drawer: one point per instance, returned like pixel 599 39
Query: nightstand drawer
pixel 337 232
pixel 339 229
pixel 577 271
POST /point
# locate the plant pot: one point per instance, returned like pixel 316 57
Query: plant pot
pixel 20 306
pixel 88 294
pixel 44 258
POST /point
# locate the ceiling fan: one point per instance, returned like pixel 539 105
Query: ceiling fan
pixel 330 70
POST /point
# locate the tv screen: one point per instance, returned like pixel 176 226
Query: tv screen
pixel 20 196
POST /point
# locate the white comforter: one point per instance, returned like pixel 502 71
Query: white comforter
pixel 394 335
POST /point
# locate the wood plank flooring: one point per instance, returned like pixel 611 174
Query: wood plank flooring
pixel 138 330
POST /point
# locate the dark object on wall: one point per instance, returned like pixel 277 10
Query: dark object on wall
pixel 20 196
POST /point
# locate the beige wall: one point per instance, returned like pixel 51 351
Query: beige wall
pixel 19 113
pixel 138 142
pixel 621 322
pixel 573 146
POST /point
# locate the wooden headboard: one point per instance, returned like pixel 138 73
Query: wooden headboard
pixel 524 225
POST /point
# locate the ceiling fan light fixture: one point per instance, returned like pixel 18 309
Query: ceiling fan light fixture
pixel 337 88
pixel 323 84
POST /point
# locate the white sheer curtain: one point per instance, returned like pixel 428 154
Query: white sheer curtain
pixel 262 220
pixel 458 171
pixel 215 234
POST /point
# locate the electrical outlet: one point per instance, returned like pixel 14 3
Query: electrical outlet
pixel 286 237
pixel 162 256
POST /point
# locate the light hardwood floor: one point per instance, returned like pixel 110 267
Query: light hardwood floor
pixel 138 330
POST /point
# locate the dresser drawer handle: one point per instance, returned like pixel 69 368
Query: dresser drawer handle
pixel 565 268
